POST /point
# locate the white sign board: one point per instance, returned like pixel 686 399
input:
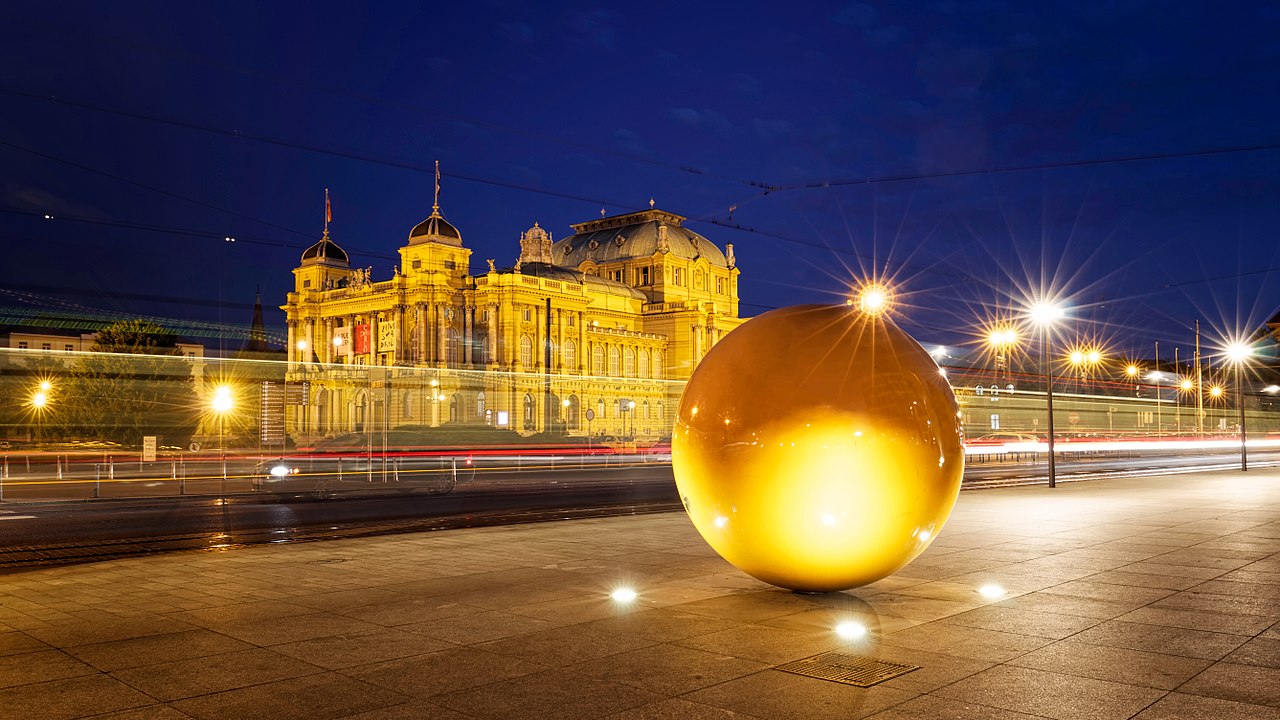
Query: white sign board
pixel 502 418
pixel 148 448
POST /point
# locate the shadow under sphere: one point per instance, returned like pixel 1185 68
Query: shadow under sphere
pixel 818 448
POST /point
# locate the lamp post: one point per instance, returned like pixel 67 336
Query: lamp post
pixel 564 414
pixel 631 416
pixel 222 404
pixel 1002 340
pixel 1239 353
pixel 1045 314
pixel 40 401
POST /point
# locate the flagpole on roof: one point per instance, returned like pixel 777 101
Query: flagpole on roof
pixel 328 214
pixel 435 204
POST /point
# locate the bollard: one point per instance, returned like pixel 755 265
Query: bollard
pixel 58 464
pixel 339 469
pixel 395 469
pixel 97 480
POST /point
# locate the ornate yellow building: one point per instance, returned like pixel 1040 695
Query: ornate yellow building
pixel 583 335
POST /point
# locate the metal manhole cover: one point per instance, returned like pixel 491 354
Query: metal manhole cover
pixel 848 669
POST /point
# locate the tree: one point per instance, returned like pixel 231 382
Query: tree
pixel 134 382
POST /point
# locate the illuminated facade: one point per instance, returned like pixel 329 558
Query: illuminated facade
pixel 622 307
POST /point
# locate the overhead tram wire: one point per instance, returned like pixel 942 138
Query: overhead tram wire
pixel 405 165
pixel 185 232
pixel 347 155
pixel 1061 165
pixel 152 188
pixel 327 88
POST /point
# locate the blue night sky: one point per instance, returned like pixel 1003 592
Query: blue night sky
pixel 230 119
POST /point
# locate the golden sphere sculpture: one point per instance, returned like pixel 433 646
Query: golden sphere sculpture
pixel 818 448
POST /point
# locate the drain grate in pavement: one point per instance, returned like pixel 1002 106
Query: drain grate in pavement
pixel 848 669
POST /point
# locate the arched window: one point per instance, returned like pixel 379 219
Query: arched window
pixel 613 362
pixel 480 404
pixel 528 411
pixel 644 364
pixel 406 406
pixel 597 360
pixel 571 413
pixel 646 409
pixel 657 365
pixel 526 352
pixel 629 362
pixel 600 408
pixel 659 411
pixel 455 407
pixel 570 355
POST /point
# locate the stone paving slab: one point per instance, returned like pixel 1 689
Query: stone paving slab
pixel 1134 598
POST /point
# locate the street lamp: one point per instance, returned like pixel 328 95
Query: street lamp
pixel 1001 340
pixel 39 402
pixel 1239 353
pixel 564 414
pixel 222 404
pixel 1045 314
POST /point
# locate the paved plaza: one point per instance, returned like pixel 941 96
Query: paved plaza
pixel 1135 598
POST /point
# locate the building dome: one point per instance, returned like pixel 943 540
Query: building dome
pixel 435 229
pixel 325 252
pixel 636 235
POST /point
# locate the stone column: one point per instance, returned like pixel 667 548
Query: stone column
pixel 442 336
pixel 583 359
pixel 399 350
pixel 697 343
pixel 311 341
pixel 292 354
pixel 469 333
pixel 420 349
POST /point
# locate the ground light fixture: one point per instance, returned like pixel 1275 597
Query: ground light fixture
pixel 623 595
pixel 991 591
pixel 850 630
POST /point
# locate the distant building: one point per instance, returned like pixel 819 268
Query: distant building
pixel 52 341
pixel 627 302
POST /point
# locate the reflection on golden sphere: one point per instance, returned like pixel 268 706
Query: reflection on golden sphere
pixel 818 448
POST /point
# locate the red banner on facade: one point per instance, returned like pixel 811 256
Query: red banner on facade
pixel 362 338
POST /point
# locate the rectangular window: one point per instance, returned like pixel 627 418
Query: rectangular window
pixel 417 264
pixel 720 285
pixel 450 265
pixel 46 346
pixel 306 283
pixel 995 422
pixel 68 348
pixel 677 276
pixel 22 344
pixel 528 314
pixel 571 321
pixel 642 276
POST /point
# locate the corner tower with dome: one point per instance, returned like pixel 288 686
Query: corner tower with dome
pixel 623 306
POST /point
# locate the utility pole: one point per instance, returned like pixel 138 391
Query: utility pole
pixel 1199 386
pixel 1159 376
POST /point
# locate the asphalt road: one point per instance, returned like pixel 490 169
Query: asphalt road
pixel 60 522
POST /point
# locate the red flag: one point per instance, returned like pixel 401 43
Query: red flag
pixel 328 215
